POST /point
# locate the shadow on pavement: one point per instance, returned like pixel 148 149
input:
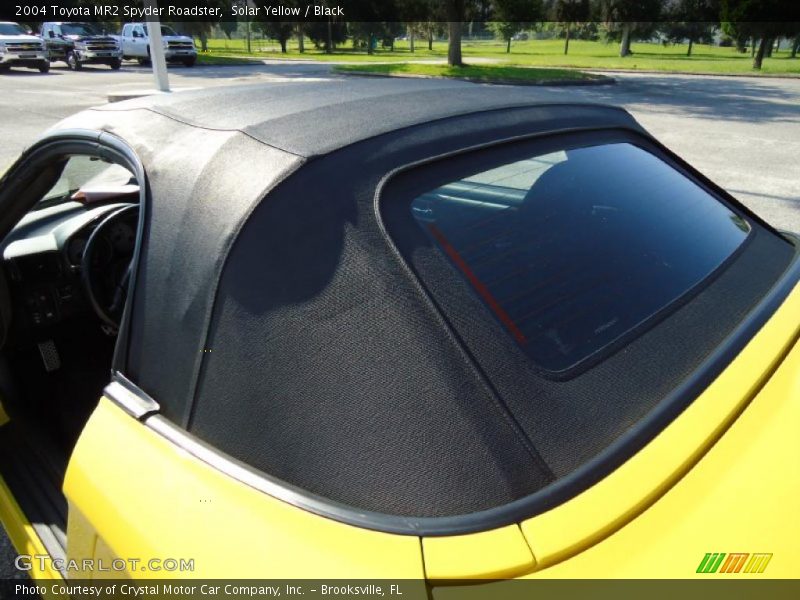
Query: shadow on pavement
pixel 7 556
pixel 288 69
pixel 744 99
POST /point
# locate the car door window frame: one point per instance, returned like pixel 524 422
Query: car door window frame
pixel 21 187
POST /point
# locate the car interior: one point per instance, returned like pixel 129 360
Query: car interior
pixel 63 286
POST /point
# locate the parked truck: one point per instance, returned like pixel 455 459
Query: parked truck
pixel 20 48
pixel 136 44
pixel 78 44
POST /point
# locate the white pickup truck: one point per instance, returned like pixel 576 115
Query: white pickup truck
pixel 19 48
pixel 136 44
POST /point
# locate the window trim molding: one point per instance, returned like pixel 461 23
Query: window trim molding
pixel 615 135
pixel 522 509
pixel 556 493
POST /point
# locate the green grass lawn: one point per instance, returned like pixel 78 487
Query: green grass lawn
pixel 544 53
pixel 486 73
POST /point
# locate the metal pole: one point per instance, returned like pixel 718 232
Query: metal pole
pixel 156 48
pixel 250 4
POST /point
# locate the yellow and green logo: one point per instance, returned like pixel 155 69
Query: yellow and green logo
pixel 735 562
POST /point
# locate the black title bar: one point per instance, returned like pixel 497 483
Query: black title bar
pixel 120 11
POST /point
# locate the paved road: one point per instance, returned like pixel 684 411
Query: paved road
pixel 744 133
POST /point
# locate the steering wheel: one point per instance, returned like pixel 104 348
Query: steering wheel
pixel 5 308
pixel 107 306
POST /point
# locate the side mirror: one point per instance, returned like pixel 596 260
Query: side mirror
pixel 51 33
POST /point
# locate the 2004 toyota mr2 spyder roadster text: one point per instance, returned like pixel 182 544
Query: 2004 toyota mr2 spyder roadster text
pixel 390 330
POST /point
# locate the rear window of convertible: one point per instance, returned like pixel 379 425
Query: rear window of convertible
pixel 570 250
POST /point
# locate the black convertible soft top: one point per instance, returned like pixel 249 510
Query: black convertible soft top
pixel 274 318
pixel 314 118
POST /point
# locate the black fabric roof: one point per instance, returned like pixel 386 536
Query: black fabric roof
pixel 313 118
pixel 213 155
pixel 274 318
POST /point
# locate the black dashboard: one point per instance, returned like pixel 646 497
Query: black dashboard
pixel 42 262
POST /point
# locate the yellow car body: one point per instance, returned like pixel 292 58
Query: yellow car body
pixel 655 517
pixel 718 483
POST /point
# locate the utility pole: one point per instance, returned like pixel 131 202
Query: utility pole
pixel 250 4
pixel 156 47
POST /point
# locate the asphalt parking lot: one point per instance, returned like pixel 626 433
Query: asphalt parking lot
pixel 744 133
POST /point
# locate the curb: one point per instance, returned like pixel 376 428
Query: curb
pixel 243 63
pixel 605 80
pixel 121 96
pixel 693 74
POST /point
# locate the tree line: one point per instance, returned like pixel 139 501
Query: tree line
pixel 753 23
